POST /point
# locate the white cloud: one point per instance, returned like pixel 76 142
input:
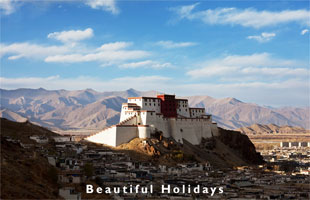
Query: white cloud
pixel 303 32
pixel 72 35
pixel 255 65
pixel 146 64
pixel 72 52
pixel 244 17
pixel 104 56
pixel 114 46
pixel 264 37
pixel 170 44
pixel 32 51
pixel 107 5
pixel 7 7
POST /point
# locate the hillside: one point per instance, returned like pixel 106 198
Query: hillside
pixel 228 150
pixel 24 173
pixel 89 109
pixel 259 129
pixel 7 114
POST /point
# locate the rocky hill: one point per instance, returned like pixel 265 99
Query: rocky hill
pixel 89 109
pixel 7 114
pixel 228 150
pixel 24 173
pixel 259 129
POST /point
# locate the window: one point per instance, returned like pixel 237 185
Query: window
pixel 146 104
pixel 150 104
pixel 154 104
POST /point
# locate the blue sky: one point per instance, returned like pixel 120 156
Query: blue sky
pixel 255 51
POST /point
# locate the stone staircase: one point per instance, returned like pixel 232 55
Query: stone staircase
pixel 126 120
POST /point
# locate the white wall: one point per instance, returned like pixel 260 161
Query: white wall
pixel 125 133
pixel 137 101
pixel 151 104
pixel 107 136
pixel 214 129
pixel 190 129
pixel 144 132
pixel 194 113
pixel 182 108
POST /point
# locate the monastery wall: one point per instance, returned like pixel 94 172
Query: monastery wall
pixel 192 129
pixel 125 133
pixel 106 136
pixel 214 129
pixel 151 105
pixel 182 108
pixel 144 131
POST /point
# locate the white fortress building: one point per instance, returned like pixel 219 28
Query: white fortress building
pixel 142 116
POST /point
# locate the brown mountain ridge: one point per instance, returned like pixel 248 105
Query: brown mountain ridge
pixel 260 129
pixel 92 110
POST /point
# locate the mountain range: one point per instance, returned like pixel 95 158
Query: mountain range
pixel 92 110
pixel 260 129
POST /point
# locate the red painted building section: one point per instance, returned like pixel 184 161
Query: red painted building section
pixel 168 105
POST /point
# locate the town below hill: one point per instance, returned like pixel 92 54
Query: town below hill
pixel 39 164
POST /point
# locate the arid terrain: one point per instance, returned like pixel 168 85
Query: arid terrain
pixel 26 174
pixel 88 110
pixel 269 136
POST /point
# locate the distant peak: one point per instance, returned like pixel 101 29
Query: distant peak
pixel 131 90
pixel 233 100
pixel 90 90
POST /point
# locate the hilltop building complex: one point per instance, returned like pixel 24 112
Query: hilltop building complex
pixel 143 116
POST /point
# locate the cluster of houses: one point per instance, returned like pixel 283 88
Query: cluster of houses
pixel 299 156
pixel 79 162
